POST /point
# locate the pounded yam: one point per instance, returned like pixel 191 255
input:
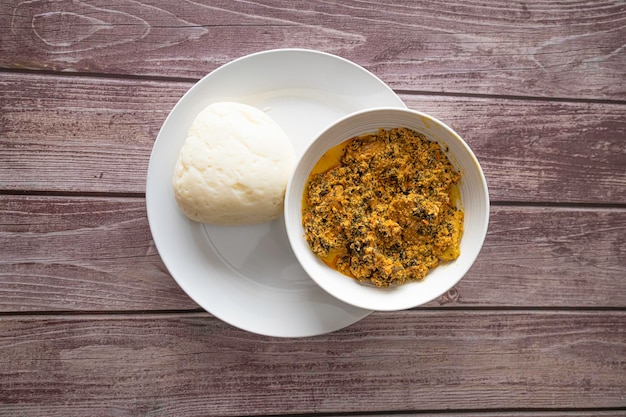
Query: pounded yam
pixel 233 167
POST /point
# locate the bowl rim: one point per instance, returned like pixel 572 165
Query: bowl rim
pixel 295 238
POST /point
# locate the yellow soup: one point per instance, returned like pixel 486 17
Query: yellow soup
pixel 383 207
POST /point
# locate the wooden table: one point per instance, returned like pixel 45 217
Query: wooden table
pixel 92 324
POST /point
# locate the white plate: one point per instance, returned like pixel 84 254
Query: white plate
pixel 248 276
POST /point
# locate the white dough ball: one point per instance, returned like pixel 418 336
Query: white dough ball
pixel 233 167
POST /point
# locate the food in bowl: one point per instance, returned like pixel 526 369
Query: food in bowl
pixel 383 207
pixel 472 191
pixel 233 167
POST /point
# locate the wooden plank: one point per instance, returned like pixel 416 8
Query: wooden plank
pixel 191 364
pixel 85 135
pixel 81 254
pixel 95 135
pixel 561 49
pixel 534 151
pixel 97 254
pixel 543 257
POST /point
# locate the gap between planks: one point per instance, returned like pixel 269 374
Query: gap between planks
pixel 199 312
pixel 142 196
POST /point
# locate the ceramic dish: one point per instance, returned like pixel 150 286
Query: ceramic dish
pixel 248 276
pixel 474 203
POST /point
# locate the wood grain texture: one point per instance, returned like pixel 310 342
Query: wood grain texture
pixel 540 257
pixel 536 48
pixel 85 135
pixel 540 151
pixel 81 254
pixel 188 365
pixel 97 254
pixel 95 135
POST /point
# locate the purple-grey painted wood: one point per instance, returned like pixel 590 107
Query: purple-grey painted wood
pixel 533 48
pixel 190 364
pixel 65 134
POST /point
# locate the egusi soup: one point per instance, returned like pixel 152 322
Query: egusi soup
pixel 382 207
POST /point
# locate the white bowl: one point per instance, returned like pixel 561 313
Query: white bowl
pixel 474 202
